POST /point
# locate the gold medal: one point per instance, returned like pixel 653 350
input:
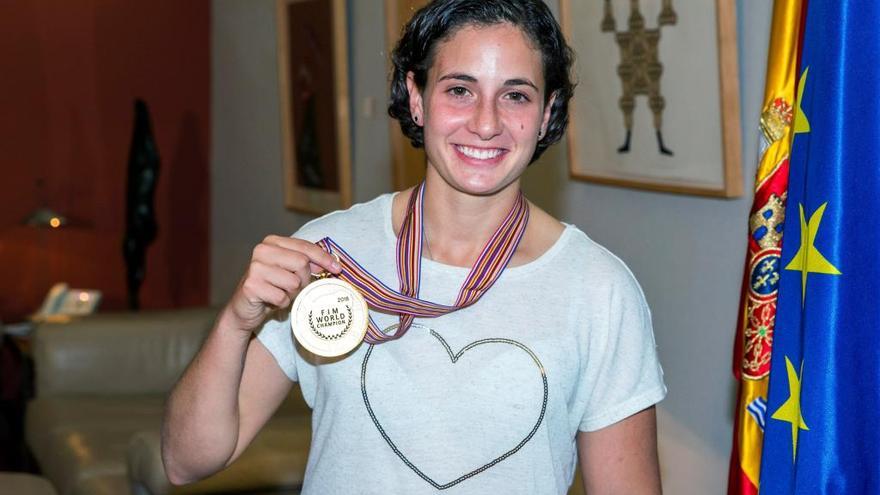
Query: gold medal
pixel 329 317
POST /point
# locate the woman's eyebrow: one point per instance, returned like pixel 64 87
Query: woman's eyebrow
pixel 520 82
pixel 459 76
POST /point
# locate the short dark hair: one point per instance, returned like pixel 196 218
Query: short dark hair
pixel 441 19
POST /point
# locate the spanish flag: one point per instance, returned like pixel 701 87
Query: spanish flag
pixel 757 316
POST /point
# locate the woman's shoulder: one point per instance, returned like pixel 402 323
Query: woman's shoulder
pixel 594 264
pixel 360 219
pixel 547 236
pixel 543 235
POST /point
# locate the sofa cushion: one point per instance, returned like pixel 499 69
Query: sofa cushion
pixel 83 445
pixel 110 484
pixel 118 353
pixel 55 421
pixel 77 439
pixel 275 459
pixel 24 484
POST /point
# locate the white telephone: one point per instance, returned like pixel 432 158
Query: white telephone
pixel 63 302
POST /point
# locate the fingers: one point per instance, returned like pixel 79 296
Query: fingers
pixel 292 262
pixel 273 285
pixel 281 266
pixel 322 260
pixel 263 292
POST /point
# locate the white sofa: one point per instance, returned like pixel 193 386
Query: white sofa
pixel 101 383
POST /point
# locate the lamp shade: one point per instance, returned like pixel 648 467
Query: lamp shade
pixel 45 217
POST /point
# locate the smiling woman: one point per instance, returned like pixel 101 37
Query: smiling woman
pixel 513 345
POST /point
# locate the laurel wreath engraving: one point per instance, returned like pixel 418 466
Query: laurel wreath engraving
pixel 332 336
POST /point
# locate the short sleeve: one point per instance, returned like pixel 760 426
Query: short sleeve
pixel 623 374
pixel 277 338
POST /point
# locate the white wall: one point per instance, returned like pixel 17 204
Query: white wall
pixel 247 196
pixel 686 251
pixel 247 199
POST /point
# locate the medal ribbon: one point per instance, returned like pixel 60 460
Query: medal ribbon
pixel 495 256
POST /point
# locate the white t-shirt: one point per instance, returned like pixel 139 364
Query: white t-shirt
pixel 487 399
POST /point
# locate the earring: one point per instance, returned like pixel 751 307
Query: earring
pixel 416 119
pixel 540 133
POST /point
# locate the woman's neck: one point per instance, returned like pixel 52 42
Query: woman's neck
pixel 463 231
pixel 457 225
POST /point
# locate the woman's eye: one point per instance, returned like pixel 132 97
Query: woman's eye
pixel 517 97
pixel 458 91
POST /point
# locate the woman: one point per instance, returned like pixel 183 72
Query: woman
pixel 552 358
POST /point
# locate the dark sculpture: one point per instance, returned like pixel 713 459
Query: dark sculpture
pixel 140 215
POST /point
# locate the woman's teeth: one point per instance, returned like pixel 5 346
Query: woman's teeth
pixel 479 153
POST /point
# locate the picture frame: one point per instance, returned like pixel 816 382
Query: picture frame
pixel 315 106
pixel 407 162
pixel 690 109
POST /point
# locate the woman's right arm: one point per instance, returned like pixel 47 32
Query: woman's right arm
pixel 233 384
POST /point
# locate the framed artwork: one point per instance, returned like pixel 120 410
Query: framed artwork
pixel 407 162
pixel 315 124
pixel 657 101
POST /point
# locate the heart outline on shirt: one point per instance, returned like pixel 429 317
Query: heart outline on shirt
pixel 454 357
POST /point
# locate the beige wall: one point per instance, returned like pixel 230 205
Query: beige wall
pixel 686 251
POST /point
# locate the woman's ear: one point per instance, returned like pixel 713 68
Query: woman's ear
pixel 415 99
pixel 547 111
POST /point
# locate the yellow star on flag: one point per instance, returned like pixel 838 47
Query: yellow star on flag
pixel 790 411
pixel 808 259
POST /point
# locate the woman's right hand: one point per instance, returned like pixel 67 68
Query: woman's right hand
pixel 280 267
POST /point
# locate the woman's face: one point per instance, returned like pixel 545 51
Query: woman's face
pixel 481 108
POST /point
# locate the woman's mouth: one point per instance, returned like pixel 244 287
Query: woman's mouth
pixel 479 153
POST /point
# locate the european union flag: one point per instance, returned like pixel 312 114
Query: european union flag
pixel 822 434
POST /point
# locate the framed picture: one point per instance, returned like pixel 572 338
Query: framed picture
pixel 313 79
pixel 407 162
pixel 657 101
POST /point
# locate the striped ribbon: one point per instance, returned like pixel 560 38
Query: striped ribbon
pixel 495 256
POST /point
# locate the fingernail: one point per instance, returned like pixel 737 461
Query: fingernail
pixel 335 266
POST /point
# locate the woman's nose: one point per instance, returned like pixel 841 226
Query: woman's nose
pixel 486 121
